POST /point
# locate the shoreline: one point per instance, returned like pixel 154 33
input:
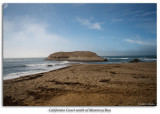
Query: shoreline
pixel 35 73
pixel 127 84
pixel 66 67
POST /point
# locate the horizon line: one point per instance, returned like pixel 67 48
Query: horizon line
pixel 99 55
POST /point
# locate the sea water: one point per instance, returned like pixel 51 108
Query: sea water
pixel 17 67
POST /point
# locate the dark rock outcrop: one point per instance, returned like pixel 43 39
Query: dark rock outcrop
pixel 135 61
pixel 50 65
pixel 76 56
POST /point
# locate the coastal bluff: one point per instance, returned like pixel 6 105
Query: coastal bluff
pixel 86 56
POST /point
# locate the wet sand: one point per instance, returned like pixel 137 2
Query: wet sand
pixel 127 84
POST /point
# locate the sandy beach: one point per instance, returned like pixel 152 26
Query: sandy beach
pixel 126 84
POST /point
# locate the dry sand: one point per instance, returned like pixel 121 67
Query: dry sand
pixel 127 84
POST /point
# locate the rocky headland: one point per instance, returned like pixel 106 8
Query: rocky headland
pixel 76 56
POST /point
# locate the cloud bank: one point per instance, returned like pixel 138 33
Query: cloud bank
pixel 29 37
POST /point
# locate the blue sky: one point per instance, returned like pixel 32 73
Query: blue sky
pixel 37 30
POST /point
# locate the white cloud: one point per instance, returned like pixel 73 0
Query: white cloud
pixel 29 38
pixel 132 12
pixel 89 24
pixel 145 14
pixel 96 26
pixel 140 42
pixel 5 6
pixel 148 13
pixel 116 20
pixel 129 40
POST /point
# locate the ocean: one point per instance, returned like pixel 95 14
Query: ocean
pixel 18 67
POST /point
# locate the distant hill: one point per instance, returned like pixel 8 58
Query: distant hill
pixel 76 56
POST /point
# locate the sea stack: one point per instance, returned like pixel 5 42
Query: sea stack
pixel 135 61
pixel 86 56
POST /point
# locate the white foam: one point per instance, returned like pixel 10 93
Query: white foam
pixel 119 58
pixel 64 62
pixel 20 74
pixel 35 65
pixel 150 59
pixel 46 64
pixel 124 58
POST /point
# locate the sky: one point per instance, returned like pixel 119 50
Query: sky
pixel 37 30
